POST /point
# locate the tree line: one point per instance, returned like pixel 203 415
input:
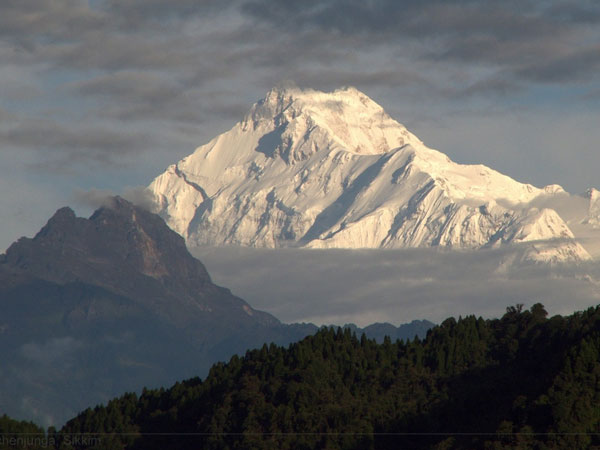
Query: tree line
pixel 521 381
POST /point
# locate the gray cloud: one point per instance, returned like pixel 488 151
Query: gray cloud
pixel 136 12
pixel 521 38
pixel 17 84
pixel 27 22
pixel 141 95
pixel 584 12
pixel 129 86
pixel 146 70
pixel 95 198
pixel 542 41
pixel 92 198
pixel 570 66
pixel 62 147
pixel 397 286
pixel 140 196
pixel 329 78
pixel 491 85
pixel 6 116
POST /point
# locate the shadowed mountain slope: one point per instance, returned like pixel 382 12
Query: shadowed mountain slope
pixel 93 307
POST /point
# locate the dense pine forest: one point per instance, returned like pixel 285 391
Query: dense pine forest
pixel 521 381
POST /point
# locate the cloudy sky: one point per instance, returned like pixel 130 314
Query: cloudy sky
pixel 104 94
pixel 397 286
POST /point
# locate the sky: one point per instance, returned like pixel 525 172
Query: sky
pixel 102 95
pixel 339 286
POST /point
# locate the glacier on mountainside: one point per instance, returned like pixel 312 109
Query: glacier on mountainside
pixel 332 170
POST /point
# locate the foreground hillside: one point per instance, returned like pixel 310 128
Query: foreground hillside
pixel 522 381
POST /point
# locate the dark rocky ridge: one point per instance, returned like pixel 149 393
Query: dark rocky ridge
pixel 131 252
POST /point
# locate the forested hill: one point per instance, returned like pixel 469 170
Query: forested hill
pixel 522 381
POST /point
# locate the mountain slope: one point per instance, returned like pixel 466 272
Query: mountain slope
pixel 91 308
pixel 322 170
pixel 131 252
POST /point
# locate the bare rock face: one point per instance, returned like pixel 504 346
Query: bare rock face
pixel 117 239
pixel 333 170
pixel 131 252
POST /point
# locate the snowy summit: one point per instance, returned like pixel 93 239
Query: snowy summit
pixel 333 170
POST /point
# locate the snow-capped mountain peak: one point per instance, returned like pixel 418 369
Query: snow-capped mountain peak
pixel 344 119
pixel 316 169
